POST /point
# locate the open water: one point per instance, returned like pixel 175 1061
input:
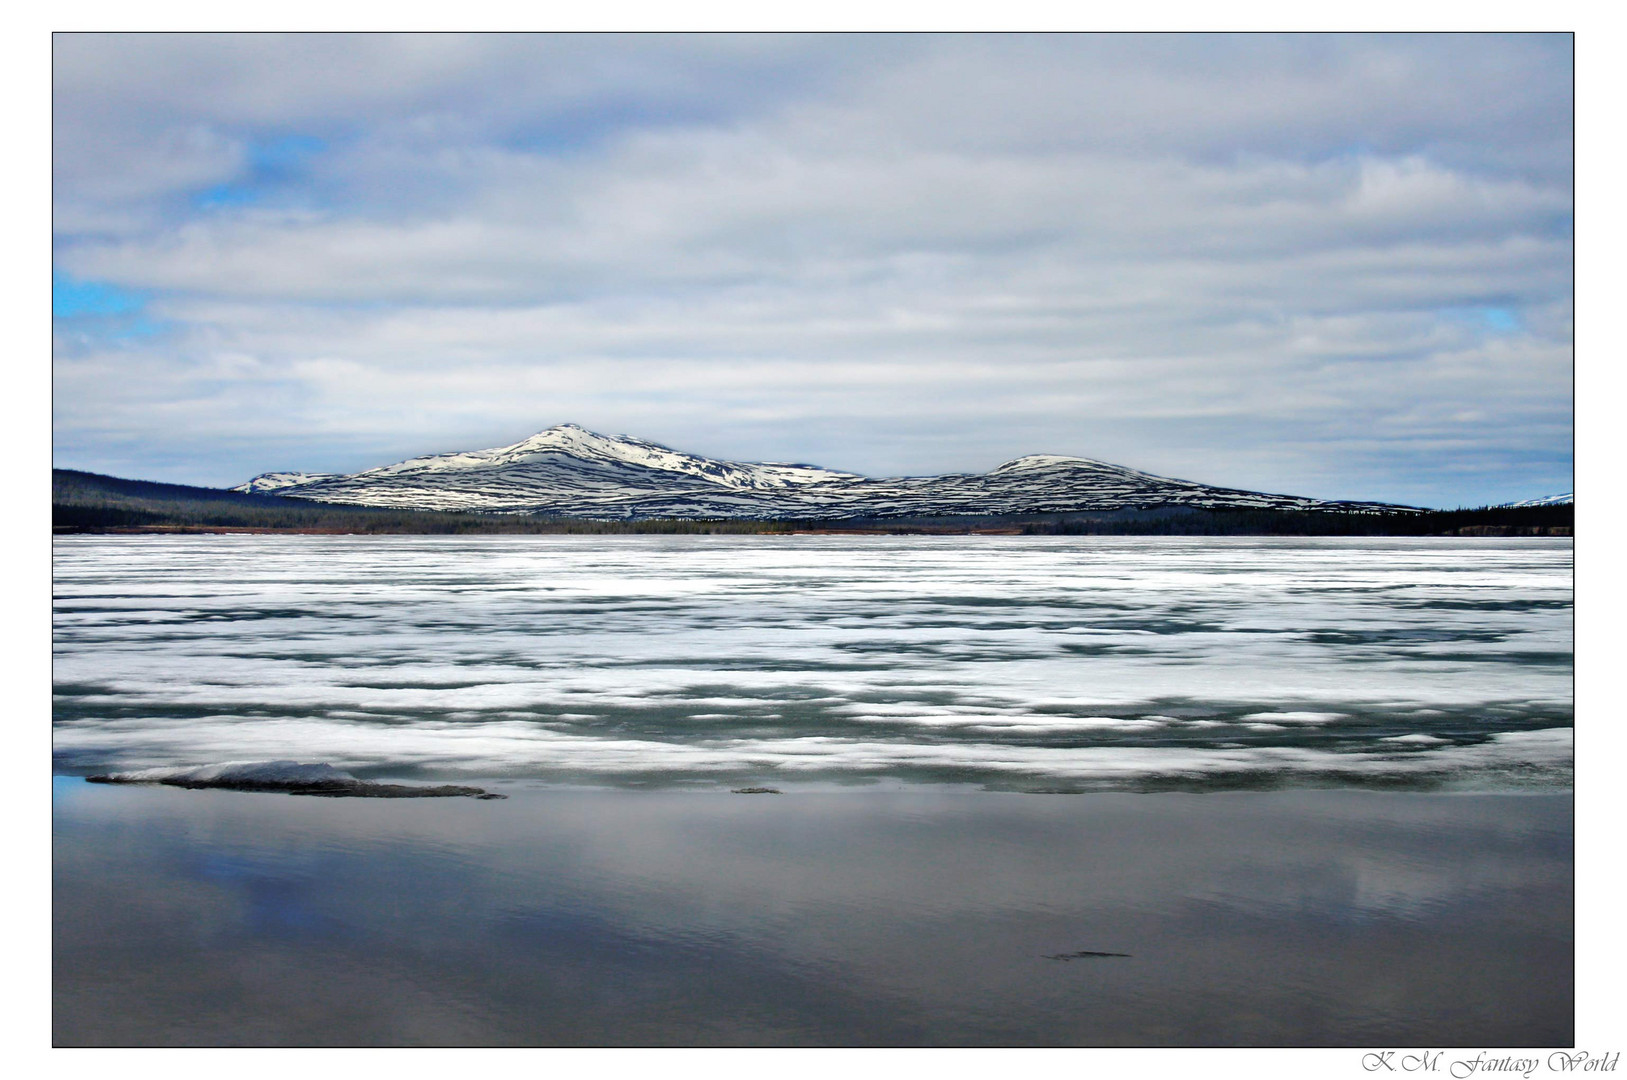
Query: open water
pixel 859 917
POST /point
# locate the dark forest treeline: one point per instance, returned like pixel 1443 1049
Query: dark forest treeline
pixel 88 502
pixel 1483 521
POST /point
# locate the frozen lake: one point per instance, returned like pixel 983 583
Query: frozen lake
pixel 616 688
pixel 1022 663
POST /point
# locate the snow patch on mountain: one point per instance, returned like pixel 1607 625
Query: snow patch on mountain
pixel 1051 461
pixel 572 441
pixel 277 481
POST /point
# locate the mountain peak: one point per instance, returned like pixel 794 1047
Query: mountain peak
pixel 276 481
pixel 1052 461
pixel 616 453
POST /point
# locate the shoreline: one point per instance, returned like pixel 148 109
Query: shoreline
pixel 1485 531
pixel 508 783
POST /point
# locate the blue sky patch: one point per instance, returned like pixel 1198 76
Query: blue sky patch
pixel 1492 318
pixel 225 195
pixel 1500 319
pixel 273 164
pixel 72 299
pixel 282 155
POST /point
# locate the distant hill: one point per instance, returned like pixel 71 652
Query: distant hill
pixel 1547 500
pixel 89 502
pixel 570 472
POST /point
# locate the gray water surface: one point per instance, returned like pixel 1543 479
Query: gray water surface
pixel 922 916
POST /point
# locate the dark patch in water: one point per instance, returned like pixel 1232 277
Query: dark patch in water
pixel 1414 635
pixel 330 789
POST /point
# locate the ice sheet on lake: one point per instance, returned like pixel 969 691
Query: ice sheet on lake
pixel 268 773
pixel 1054 663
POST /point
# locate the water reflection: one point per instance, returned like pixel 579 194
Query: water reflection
pixel 619 917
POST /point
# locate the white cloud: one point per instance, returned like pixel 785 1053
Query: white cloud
pixel 1303 264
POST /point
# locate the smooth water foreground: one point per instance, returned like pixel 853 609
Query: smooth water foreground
pixel 858 917
pixel 1006 662
pixel 996 753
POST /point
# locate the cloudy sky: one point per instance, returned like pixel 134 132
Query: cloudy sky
pixel 1325 265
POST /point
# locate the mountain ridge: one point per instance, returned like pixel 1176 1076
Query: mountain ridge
pixel 95 503
pixel 569 471
pixel 1565 499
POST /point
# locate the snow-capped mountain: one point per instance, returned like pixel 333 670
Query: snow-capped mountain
pixel 1546 500
pixel 568 471
pixel 276 481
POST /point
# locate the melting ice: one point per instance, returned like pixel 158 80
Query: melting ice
pixel 1042 663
